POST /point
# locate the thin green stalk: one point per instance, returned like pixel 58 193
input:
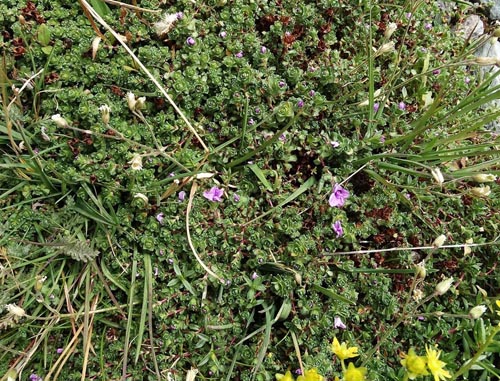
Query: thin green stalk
pixel 468 365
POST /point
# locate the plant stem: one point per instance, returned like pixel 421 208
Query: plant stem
pixel 465 368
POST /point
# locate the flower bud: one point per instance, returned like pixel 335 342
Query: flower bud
pixel 481 191
pixel 131 101
pixel 136 163
pixel 477 311
pixel 11 375
pixel 438 176
pixel 141 102
pixel 484 178
pixel 386 48
pixel 105 111
pixel 391 28
pixel 467 249
pixel 486 61
pixel 142 196
pixel 59 120
pixel 15 310
pixel 420 270
pixel 439 241
pixel 443 286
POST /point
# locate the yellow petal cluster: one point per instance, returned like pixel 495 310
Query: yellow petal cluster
pixel 435 365
pixel 415 365
pixel 310 375
pixel 342 351
pixel 355 374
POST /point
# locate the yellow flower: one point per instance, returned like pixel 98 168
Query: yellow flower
pixel 341 350
pixel 414 364
pixel 435 365
pixel 310 375
pixel 498 305
pixel 284 377
pixel 354 374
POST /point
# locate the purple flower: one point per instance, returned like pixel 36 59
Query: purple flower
pixel 337 228
pixel 402 105
pixel 408 15
pixel 298 371
pixel 59 351
pixel 239 54
pixel 222 34
pixel 214 194
pixel 282 138
pixel 376 107
pixel 257 110
pixel 182 195
pixel 160 217
pixel 179 15
pixel 382 139
pixel 436 72
pixel 467 80
pixel 255 275
pixel 312 93
pixel 251 121
pixel 190 41
pixel 337 323
pixel 338 196
pixel 334 143
pixel 300 103
pixel 35 377
pixel 236 197
pixel 428 26
pixel 263 49
pixel 281 84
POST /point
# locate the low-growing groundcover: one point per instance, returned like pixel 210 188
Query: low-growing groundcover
pixel 319 198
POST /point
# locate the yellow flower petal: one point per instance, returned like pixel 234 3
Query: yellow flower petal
pixel 415 365
pixel 342 351
pixel 354 374
pixel 435 365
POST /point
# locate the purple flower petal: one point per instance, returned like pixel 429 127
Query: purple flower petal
pixel 214 194
pixel 159 217
pixel 337 323
pixel 337 228
pixel 338 197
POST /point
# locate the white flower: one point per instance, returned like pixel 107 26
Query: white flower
pixel 136 163
pixel 477 311
pixel 139 105
pixel 204 175
pixel 376 94
pixel 95 46
pixel 439 241
pixel 105 111
pixel 443 286
pixel 438 176
pixel 191 374
pixel 420 270
pixel 467 249
pixel 391 28
pixel 59 120
pixel 131 101
pixel 15 310
pixel 142 196
pixel 386 48
pixel 163 26
pixel 481 191
pixel 484 178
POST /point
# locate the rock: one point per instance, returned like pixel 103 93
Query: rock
pixel 472 27
pixel 491 49
pixel 494 7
